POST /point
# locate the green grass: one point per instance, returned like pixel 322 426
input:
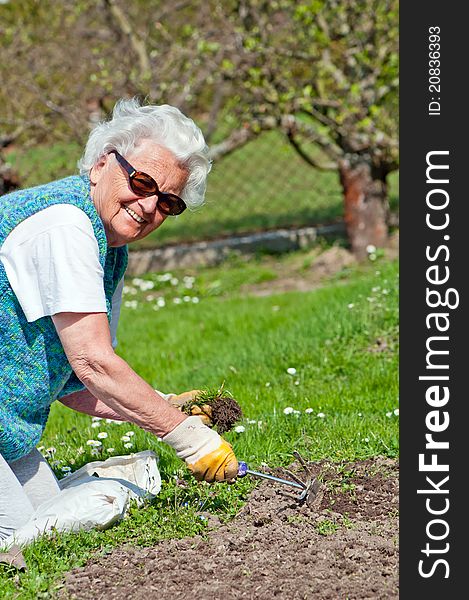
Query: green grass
pixel 262 185
pixel 327 335
pixel 41 164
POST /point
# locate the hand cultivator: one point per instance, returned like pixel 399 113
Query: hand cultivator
pixel 309 488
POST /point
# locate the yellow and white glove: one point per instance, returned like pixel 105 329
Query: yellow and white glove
pixel 178 400
pixel 208 456
pixel 204 412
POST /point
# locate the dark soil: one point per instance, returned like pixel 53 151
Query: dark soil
pixel 344 546
pixel 222 412
pixel 225 413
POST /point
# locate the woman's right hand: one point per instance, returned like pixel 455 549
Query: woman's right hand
pixel 208 456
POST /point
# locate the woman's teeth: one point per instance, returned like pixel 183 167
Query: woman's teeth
pixel 134 215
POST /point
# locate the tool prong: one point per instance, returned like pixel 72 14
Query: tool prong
pixel 312 493
pixel 302 462
pixel 295 478
pixel 315 485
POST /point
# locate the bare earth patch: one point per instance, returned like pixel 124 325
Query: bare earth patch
pixel 345 546
pixel 324 265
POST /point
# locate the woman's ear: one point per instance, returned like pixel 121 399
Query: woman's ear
pixel 98 168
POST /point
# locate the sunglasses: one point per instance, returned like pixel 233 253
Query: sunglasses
pixel 142 184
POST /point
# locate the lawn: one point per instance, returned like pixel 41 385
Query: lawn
pixel 262 185
pixel 338 399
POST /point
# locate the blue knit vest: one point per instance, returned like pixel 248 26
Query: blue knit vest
pixel 34 370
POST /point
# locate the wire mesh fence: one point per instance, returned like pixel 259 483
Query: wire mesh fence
pixel 262 185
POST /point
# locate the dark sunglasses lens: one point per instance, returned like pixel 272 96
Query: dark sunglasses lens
pixel 143 184
pixel 171 205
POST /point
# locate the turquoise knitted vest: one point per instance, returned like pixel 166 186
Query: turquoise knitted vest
pixel 34 370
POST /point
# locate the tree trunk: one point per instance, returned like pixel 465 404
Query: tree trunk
pixel 365 205
pixel 9 180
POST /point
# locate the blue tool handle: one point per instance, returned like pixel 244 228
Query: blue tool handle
pixel 242 468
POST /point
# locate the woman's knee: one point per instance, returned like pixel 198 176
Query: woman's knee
pixel 36 477
pixel 15 506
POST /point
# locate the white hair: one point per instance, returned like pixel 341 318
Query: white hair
pixel 165 125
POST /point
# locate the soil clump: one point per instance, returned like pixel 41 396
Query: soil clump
pixel 225 413
pixel 216 409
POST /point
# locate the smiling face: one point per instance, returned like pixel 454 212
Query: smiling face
pixel 126 216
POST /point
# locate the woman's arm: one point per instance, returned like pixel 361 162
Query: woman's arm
pixel 84 402
pixel 86 340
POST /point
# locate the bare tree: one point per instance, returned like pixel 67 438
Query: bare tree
pixel 323 71
pixel 327 72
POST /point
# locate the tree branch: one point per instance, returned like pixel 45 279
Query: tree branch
pixel 332 166
pixel 215 108
pixel 9 138
pixel 292 127
pixel 240 137
pixel 171 9
pixel 137 44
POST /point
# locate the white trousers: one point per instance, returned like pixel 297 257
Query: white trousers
pixel 24 484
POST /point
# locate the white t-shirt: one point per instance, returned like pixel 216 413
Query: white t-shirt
pixel 51 260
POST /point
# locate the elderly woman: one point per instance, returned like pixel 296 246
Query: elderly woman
pixel 63 256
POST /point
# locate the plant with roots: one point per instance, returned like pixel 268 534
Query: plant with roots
pixel 217 408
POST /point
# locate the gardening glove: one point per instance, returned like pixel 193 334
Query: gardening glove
pixel 208 456
pixel 179 400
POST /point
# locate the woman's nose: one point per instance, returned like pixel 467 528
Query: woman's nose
pixel 148 203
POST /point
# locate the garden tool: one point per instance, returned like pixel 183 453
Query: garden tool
pixel 309 488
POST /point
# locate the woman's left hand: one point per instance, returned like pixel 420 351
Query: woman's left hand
pixel 178 400
pixel 204 412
